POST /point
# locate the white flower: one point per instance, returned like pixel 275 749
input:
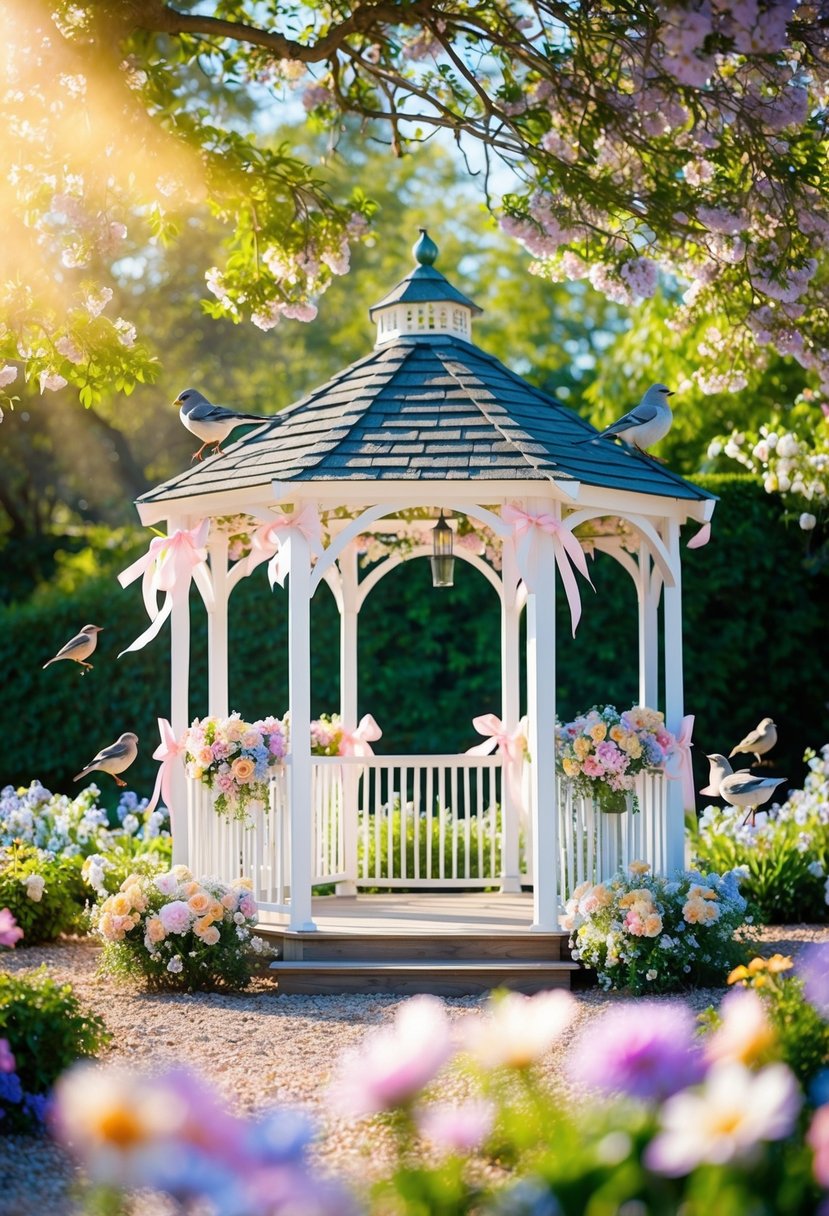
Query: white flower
pixel 167 883
pixel 787 446
pixel 34 884
pixel 175 964
pixel 724 1119
pixel 518 1029
pixel 807 521
pixel 7 374
pixel 651 975
pixel 714 449
pixel 52 381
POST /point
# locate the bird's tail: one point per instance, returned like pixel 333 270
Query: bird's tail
pixel 735 751
pixel 82 773
pixel 45 665
pixel 710 791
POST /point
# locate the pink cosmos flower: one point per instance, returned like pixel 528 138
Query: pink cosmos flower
pixel 176 917
pixel 9 930
pixel 457 1129
pixel 396 1062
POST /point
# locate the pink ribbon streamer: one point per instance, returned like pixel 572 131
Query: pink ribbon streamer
pixel 167 566
pixel 567 549
pixel 168 751
pixel 700 538
pixel 512 745
pixel 358 742
pixel 268 542
pixel 681 761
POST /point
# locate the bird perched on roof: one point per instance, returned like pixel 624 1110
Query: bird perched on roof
pixel 759 741
pixel 79 648
pixel 645 424
pixel 113 759
pixel 210 423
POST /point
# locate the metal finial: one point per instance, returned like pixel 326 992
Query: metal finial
pixel 425 250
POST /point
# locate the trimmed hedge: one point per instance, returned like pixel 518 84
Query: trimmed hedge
pixel 755 643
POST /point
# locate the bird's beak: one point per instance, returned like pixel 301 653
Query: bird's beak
pixel 670 393
pixel 177 401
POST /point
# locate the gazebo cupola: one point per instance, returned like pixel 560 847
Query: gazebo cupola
pixel 424 302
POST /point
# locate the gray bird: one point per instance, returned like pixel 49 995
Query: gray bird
pixel 79 648
pixel 113 759
pixel 210 423
pixel 718 769
pixel 759 741
pixel 743 789
pixel 644 425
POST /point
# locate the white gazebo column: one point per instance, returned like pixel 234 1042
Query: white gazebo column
pixel 217 695
pixel 349 620
pixel 179 710
pixel 541 711
pixel 510 714
pixel 299 704
pixel 674 696
pixel 648 598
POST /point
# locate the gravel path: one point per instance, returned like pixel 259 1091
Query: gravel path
pixel 258 1048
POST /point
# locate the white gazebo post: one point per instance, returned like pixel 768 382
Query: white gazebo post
pixel 349 623
pixel 647 591
pixel 217 692
pixel 299 702
pixel 179 710
pixel 541 711
pixel 674 695
pixel 510 714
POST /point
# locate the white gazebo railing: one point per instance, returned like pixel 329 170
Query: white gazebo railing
pixel 417 822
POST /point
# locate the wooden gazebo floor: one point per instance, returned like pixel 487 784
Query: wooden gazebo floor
pixel 450 943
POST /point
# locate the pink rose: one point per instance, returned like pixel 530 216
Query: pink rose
pixel 592 767
pixel 247 906
pixel 176 917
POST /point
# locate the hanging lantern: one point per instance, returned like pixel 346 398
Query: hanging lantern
pixel 443 563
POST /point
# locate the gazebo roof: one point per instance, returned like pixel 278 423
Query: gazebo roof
pixel 428 407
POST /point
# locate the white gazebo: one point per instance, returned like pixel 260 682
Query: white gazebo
pixel 426 423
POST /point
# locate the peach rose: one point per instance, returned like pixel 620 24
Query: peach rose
pixel 121 904
pixel 155 929
pixel 243 769
pixel 216 910
pixel 199 902
pixel 210 936
pixel 202 925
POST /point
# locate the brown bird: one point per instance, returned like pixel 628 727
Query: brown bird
pixel 759 741
pixel 113 759
pixel 79 648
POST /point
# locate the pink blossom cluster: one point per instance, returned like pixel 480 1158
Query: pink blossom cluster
pixel 602 751
pixel 235 758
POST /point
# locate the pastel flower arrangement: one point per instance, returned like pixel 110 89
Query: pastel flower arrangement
pixel 648 933
pixel 177 931
pixel 601 753
pixel 235 758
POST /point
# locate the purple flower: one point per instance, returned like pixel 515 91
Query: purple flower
pixel 614 760
pixel 646 1050
pixel 7 1060
pixel 813 968
pixel 10 1088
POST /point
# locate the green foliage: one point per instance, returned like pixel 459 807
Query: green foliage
pixel 430 847
pixel 47 1030
pixel 43 909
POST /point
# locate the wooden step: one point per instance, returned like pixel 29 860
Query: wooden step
pixel 437 976
pixel 403 947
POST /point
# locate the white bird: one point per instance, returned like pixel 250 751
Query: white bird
pixel 79 648
pixel 644 425
pixel 113 759
pixel 759 741
pixel 210 423
pixel 718 769
pixel 743 789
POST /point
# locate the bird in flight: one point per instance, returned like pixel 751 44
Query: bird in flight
pixel 645 424
pixel 79 648
pixel 113 759
pixel 210 423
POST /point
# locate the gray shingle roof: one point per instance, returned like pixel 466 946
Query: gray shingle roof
pixel 423 284
pixel 426 408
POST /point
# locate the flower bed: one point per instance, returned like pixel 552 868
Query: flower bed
pixel 784 857
pixel 176 932
pixel 648 933
pixel 601 753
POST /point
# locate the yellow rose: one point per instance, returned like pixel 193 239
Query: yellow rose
pixel 582 747
pixel 242 884
pixel 652 924
pixel 199 902
pixel 181 873
pixel 571 767
pixel 121 904
pixel 136 897
pixel 598 732
pixel 155 929
pixel 617 733
pixel 202 925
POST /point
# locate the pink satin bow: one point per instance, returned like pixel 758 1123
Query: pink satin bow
pixel 168 750
pixel 567 549
pixel 681 761
pixel 512 745
pixel 268 543
pixel 167 566
pixel 700 538
pixel 358 742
